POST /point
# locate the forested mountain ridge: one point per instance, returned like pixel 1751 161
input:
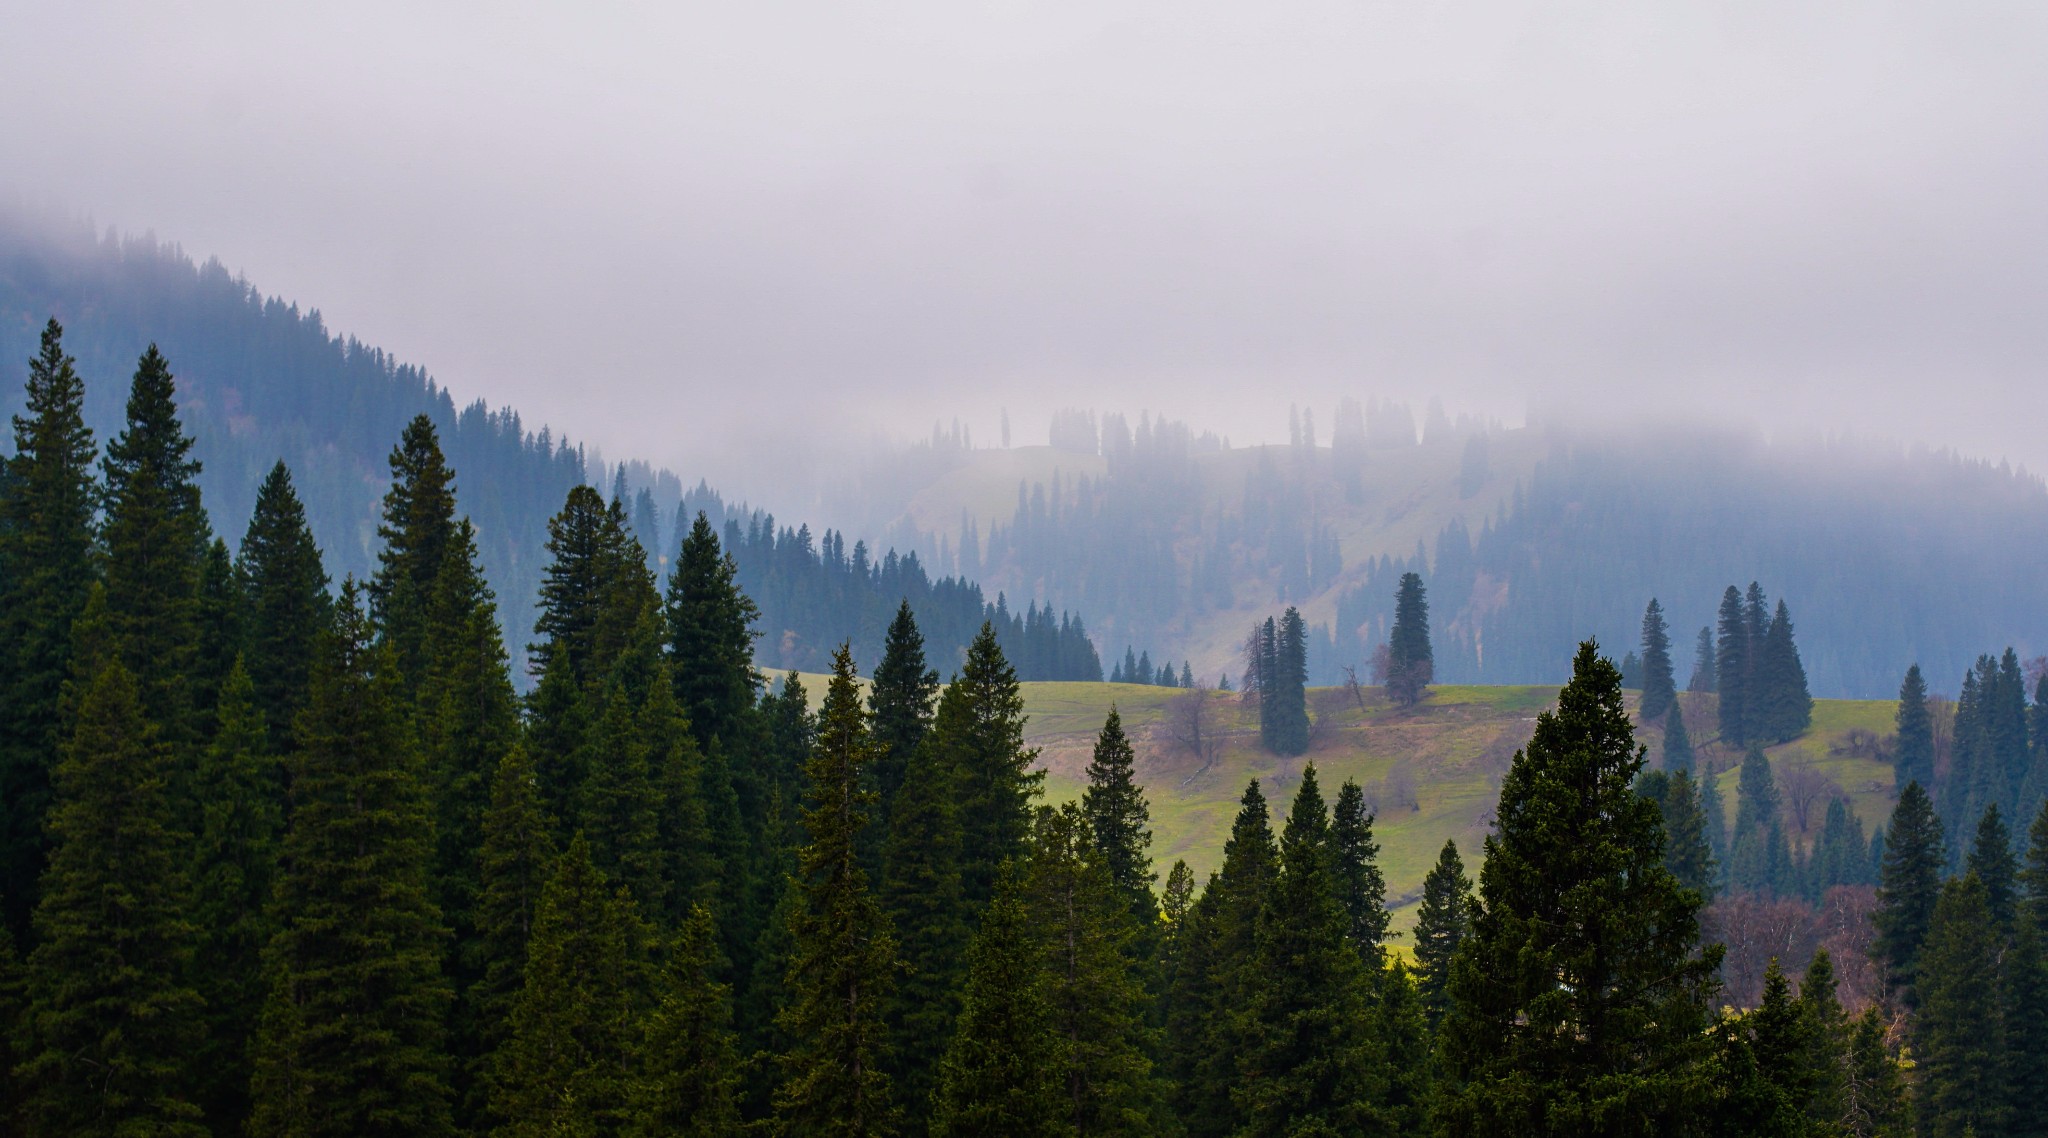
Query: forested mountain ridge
pixel 1528 539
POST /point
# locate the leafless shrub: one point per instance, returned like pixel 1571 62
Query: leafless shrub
pixel 1861 743
pixel 1191 724
pixel 1394 792
pixel 1804 787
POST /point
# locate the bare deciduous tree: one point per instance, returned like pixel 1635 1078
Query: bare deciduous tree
pixel 1804 787
pixel 1191 724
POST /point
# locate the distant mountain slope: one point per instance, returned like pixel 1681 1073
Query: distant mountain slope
pixel 1529 540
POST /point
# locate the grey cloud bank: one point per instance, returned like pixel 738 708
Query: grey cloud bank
pixel 683 231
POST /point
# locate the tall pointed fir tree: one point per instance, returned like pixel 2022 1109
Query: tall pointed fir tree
pixel 1579 1001
pixel 900 704
pixel 1732 670
pixel 417 528
pixel 979 732
pixel 1958 1033
pixel 566 1066
pixel 1309 1066
pixel 1361 886
pixel 112 1020
pixel 350 1040
pixel 1913 757
pixel 1660 689
pixel 285 603
pixel 1688 851
pixel 1782 707
pixel 1992 860
pixel 1410 660
pixel 47 501
pixel 1678 753
pixel 1760 860
pixel 843 958
pixel 711 638
pixel 1001 1074
pixel 2023 990
pixel 155 536
pixel 1705 668
pixel 1283 688
pixel 516 863
pixel 1094 982
pixel 1440 927
pixel 2034 877
pixel 920 894
pixel 1714 820
pixel 687 1062
pixel 1908 886
pixel 240 794
pixel 1121 822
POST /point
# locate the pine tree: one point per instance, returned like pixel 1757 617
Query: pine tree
pixel 1705 667
pixel 565 1065
pixel 1283 694
pixel 920 894
pixel 517 859
pixel 155 536
pixel 1660 689
pixel 1992 861
pixel 1732 670
pixel 1827 1043
pixel 1410 660
pixel 595 592
pixel 2035 876
pixel 1361 887
pixel 686 1089
pixel 1759 858
pixel 112 1021
pixel 1873 1093
pixel 2024 995
pixel 222 631
pixel 711 639
pixel 979 733
pixel 350 1040
pixel 1120 820
pixel 1714 818
pixel 1678 755
pixel 1304 1068
pixel 1579 1001
pixel 1959 1045
pixel 900 703
pixel 417 530
pixel 1440 927
pixel 47 499
pixel 1908 886
pixel 1001 1075
pixel 1782 708
pixel 1913 760
pixel 618 807
pixel 285 601
pixel 1687 852
pixel 234 859
pixel 1093 987
pixel 844 954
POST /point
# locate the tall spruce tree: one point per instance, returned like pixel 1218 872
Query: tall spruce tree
pixel 1760 860
pixel 711 639
pixel 843 957
pixel 1678 753
pixel 900 704
pixel 1579 1002
pixel 1688 853
pixel 1873 1089
pixel 566 1066
pixel 595 592
pixel 1001 1076
pixel 1361 887
pixel 1992 860
pixel 516 862
pixel 1706 675
pixel 286 603
pixel 1410 660
pixel 2023 992
pixel 112 1019
pixel 1440 927
pixel 47 501
pixel 350 1040
pixel 1782 708
pixel 1120 821
pixel 921 896
pixel 979 734
pixel 1283 692
pixel 1732 670
pixel 1958 1033
pixel 1660 689
pixel 1913 758
pixel 1909 884
pixel 155 537
pixel 688 1066
pixel 2034 877
pixel 416 530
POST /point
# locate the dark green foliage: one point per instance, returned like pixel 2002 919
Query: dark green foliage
pixel 843 956
pixel 1825 1059
pixel 1687 853
pixel 920 893
pixel 285 603
pixel 2035 876
pixel 1782 707
pixel 1705 668
pixel 979 734
pixel 1308 1065
pixel 1120 821
pixel 1283 688
pixel 1840 855
pixel 1989 754
pixel 1361 887
pixel 1660 689
pixel 155 537
pixel 1765 1081
pixel 1734 674
pixel 686 1051
pixel 417 530
pixel 1873 1089
pixel 1440 927
pixel 1759 858
pixel 1678 754
pixel 111 1023
pixel 566 1066
pixel 1959 1041
pixel 1913 758
pixel 221 630
pixel 1992 861
pixel 1579 1001
pixel 711 639
pixel 1908 886
pixel 350 1038
pixel 2024 994
pixel 1001 1074
pixel 515 863
pixel 1714 818
pixel 239 791
pixel 595 593
pixel 1083 923
pixel 1411 662
pixel 47 499
pixel 900 704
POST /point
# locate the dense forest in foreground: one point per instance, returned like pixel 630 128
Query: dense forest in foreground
pixel 286 858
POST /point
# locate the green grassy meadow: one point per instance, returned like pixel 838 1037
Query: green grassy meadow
pixel 1432 772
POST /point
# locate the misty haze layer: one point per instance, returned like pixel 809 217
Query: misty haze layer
pixel 692 234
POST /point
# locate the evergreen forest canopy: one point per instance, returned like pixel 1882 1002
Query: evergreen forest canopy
pixel 283 857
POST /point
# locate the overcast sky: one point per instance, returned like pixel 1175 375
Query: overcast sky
pixel 667 228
